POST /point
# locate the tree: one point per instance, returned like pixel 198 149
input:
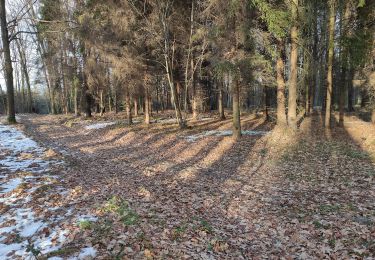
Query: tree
pixel 331 43
pixel 293 80
pixel 8 67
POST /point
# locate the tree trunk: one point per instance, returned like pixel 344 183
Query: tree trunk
pixel 8 68
pixel 194 104
pixel 128 107
pixel 281 114
pixel 177 108
pixel 101 109
pixel 26 75
pixel 331 46
pixel 147 107
pixel 76 108
pixel 236 110
pixel 115 99
pixel 135 101
pixel 221 103
pixel 292 99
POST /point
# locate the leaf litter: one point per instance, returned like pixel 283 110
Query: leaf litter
pixel 29 226
pixel 150 194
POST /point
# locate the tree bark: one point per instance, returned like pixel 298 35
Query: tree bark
pixel 147 107
pixel 76 108
pixel 101 103
pixel 281 113
pixel 8 68
pixel 128 107
pixel 236 110
pixel 194 105
pixel 327 121
pixel 221 103
pixel 292 99
pixel 135 101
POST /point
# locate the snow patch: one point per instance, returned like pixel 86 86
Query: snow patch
pixel 88 252
pixel 31 229
pixel 10 185
pixel 99 126
pixel 194 138
pixel 46 234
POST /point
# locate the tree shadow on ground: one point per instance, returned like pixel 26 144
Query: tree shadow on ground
pixel 313 198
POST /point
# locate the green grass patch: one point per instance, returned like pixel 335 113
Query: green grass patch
pixel 327 209
pixel 121 208
pixel 85 224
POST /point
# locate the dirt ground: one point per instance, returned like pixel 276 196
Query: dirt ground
pixel 159 194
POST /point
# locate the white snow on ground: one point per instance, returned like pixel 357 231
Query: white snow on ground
pixel 87 252
pixel 10 186
pixel 194 138
pixel 174 120
pixel 99 126
pixel 22 171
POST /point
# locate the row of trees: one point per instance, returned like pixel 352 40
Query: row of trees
pixel 191 55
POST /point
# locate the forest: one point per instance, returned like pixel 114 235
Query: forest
pixel 187 129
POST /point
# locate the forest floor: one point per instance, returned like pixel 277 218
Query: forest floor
pixel 101 189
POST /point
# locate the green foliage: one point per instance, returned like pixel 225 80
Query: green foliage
pixel 276 18
pixel 121 208
pixel 203 225
pixel 361 3
pixel 224 68
pixel 33 250
pixel 85 224
pixel 327 209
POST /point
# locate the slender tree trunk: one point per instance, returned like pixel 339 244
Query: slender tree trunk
pixel 171 83
pixel 25 106
pixel 115 98
pixel 342 98
pixel 8 68
pixel 150 110
pixel 314 62
pixel 177 109
pixel 101 103
pixel 135 101
pixel 236 110
pixel 221 103
pixel 147 107
pixel 331 46
pixel 128 107
pixel 85 89
pixel 194 105
pixel 281 114
pixel 292 99
pixel 26 76
pixel 76 108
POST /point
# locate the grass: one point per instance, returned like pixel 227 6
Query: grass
pixel 122 210
pixel 178 231
pixel 85 224
pixel 327 209
pixel 203 225
pixel 62 252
